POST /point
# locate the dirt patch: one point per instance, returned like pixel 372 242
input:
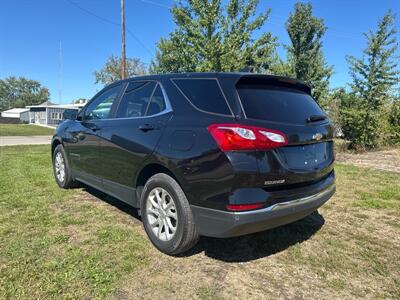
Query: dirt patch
pixel 387 160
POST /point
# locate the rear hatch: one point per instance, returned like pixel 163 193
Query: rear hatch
pixel 286 105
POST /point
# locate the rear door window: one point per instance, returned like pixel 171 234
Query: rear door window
pixel 277 104
pixel 135 101
pixel 204 94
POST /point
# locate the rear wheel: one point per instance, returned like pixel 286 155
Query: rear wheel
pixel 166 215
pixel 62 173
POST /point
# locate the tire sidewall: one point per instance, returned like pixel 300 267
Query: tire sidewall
pixel 164 246
pixel 63 184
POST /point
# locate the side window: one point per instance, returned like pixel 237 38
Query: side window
pixel 205 94
pixel 135 100
pixel 157 102
pixel 100 107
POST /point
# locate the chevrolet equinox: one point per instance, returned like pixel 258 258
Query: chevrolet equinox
pixel 213 154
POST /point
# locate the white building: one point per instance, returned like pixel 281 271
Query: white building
pixel 17 113
pixel 50 114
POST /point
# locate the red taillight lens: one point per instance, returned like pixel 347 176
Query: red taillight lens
pixel 242 137
pixel 243 207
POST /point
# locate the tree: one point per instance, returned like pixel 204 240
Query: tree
pixel 20 92
pixel 374 77
pixel 305 57
pixel 348 115
pixel 112 69
pixel 212 37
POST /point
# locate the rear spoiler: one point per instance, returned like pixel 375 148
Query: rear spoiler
pixel 286 82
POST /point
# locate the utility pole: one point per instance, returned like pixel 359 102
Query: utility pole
pixel 123 56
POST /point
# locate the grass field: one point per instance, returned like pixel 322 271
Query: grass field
pixel 24 130
pixel 82 244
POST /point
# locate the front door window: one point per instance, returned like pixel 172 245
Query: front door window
pixel 100 107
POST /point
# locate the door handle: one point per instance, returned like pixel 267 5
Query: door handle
pixel 146 127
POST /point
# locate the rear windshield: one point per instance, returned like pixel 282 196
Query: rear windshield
pixel 205 94
pixel 277 104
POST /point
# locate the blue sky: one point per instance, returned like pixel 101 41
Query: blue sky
pixel 31 31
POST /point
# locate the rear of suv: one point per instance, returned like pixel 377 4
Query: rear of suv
pixel 213 154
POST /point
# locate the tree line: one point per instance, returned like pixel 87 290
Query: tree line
pixel 211 36
pixel 20 92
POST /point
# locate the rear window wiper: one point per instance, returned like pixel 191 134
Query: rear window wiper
pixel 315 118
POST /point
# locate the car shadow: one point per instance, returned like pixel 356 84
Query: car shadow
pixel 238 249
pixel 261 244
pixel 122 206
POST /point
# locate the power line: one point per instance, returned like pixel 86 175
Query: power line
pixel 93 14
pixel 110 22
pixel 329 31
pixel 156 3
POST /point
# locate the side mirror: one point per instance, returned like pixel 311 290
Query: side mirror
pixel 70 114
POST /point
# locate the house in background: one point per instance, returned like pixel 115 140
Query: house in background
pixel 49 113
pixel 17 113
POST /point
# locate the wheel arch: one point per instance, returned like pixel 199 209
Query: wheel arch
pixel 55 142
pixel 151 169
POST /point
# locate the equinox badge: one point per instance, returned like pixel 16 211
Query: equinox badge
pixel 269 182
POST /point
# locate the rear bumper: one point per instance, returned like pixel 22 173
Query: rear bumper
pixel 218 223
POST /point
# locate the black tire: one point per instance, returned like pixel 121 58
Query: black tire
pixel 185 236
pixel 68 181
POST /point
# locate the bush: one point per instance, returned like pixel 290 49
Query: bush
pixel 394 123
pixel 366 128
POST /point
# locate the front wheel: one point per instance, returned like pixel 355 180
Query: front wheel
pixel 61 170
pixel 166 215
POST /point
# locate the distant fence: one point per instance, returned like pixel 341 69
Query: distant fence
pixel 4 120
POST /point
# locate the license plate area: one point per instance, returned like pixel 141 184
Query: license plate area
pixel 306 157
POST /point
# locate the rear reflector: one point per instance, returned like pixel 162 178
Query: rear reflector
pixel 242 137
pixel 243 207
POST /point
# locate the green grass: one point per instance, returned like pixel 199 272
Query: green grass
pixel 58 243
pixel 51 246
pixel 207 293
pixel 372 189
pixel 24 130
pixel 355 245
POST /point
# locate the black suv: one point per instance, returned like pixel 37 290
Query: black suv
pixel 214 154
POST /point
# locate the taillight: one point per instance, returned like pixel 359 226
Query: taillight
pixel 242 137
pixel 244 207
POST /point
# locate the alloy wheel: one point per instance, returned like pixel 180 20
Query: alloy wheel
pixel 161 214
pixel 59 165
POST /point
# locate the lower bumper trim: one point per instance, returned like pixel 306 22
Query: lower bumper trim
pixel 218 223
